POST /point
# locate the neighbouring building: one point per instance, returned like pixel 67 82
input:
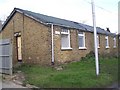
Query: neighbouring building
pixel 42 39
pixel 0 28
pixel 119 44
pixel 0 25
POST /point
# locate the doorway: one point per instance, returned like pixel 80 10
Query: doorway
pixel 19 48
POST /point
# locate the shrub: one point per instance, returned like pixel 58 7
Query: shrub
pixel 90 55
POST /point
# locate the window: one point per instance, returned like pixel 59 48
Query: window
pixel 65 39
pixel 98 42
pixel 81 39
pixel 107 42
pixel 114 42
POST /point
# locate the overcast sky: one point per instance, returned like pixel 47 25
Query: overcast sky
pixel 75 10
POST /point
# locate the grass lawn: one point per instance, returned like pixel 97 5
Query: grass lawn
pixel 74 75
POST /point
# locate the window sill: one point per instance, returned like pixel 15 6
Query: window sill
pixel 66 48
pixel 82 48
pixel 107 47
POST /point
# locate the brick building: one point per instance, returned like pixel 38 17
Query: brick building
pixel 0 25
pixel 0 28
pixel 119 44
pixel 42 39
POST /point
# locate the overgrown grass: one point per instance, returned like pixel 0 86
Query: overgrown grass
pixel 74 75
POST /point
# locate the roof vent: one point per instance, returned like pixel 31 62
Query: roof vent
pixel 75 22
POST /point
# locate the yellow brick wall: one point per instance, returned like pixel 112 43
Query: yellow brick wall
pixel 103 50
pixel 36 39
pixel 74 54
pixel 36 42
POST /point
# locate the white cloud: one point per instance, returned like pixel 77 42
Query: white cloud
pixel 76 10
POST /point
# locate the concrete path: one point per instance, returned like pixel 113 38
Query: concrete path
pixel 13 85
pixel 9 84
pixel 14 81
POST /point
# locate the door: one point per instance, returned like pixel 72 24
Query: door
pixel 19 48
pixel 5 56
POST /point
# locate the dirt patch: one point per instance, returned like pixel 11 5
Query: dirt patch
pixel 18 78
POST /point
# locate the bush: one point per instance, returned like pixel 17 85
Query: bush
pixel 90 55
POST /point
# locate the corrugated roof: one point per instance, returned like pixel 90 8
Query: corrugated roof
pixel 62 22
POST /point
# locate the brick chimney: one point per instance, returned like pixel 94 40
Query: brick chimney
pixel 108 29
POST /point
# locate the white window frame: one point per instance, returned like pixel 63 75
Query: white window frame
pixel 98 41
pixel 63 32
pixel 114 42
pixel 83 35
pixel 106 38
